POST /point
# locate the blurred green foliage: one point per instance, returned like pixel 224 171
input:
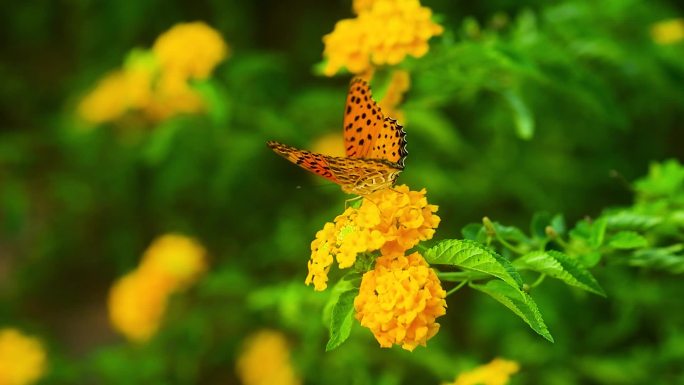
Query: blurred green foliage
pixel 520 107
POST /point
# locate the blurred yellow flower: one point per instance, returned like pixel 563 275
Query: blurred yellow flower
pixel 399 84
pixel 190 50
pixel 173 95
pixel 137 301
pixel 362 5
pixel 399 301
pixel 668 31
pixel 383 33
pixel 176 259
pixel 497 372
pixel 330 144
pixel 265 360
pixel 391 220
pixel 115 94
pixel 22 358
pixel 156 83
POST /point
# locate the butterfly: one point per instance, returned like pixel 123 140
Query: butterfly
pixel 375 146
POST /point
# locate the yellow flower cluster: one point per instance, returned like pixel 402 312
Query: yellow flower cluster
pixel 265 360
pixel 497 372
pixel 383 33
pixel 668 31
pixel 399 301
pixel 156 83
pixel 22 358
pixel 137 301
pixel 389 220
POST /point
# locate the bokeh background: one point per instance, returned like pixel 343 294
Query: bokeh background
pixel 518 107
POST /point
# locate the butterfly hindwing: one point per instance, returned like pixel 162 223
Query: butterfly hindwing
pixel 354 175
pixel 316 163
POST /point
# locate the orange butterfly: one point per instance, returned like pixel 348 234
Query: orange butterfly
pixel 375 146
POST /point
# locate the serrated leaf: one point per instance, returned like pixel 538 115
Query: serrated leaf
pixel 341 320
pixel 518 302
pixel 627 240
pixel 474 256
pixel 560 266
pixel 627 220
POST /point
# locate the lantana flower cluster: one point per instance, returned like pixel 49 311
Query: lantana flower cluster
pixel 22 358
pixel 138 300
pixel 400 298
pixel 383 33
pixel 157 83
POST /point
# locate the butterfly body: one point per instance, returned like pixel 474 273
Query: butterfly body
pixel 375 146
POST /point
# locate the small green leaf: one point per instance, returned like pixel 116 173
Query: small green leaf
pixel 627 240
pixel 539 222
pixel 590 259
pixel 474 232
pixel 471 255
pixel 598 232
pixel 558 223
pixel 510 233
pixel 524 122
pixel 560 266
pixel 518 302
pixel 341 319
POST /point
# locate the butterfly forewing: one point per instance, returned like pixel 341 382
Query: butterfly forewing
pixel 362 118
pixel 368 133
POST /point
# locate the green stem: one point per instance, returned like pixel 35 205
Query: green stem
pixel 455 289
pixel 509 246
pixel 538 281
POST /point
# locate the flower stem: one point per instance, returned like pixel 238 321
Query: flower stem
pixel 455 289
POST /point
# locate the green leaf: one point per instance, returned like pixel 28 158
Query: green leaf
pixel 524 122
pixel 539 222
pixel 474 232
pixel 598 232
pixel 593 233
pixel 627 240
pixel 341 319
pixel 510 233
pixel 590 259
pixel 558 223
pixel 518 302
pixel 474 256
pixel 627 220
pixel 667 259
pixel 560 266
